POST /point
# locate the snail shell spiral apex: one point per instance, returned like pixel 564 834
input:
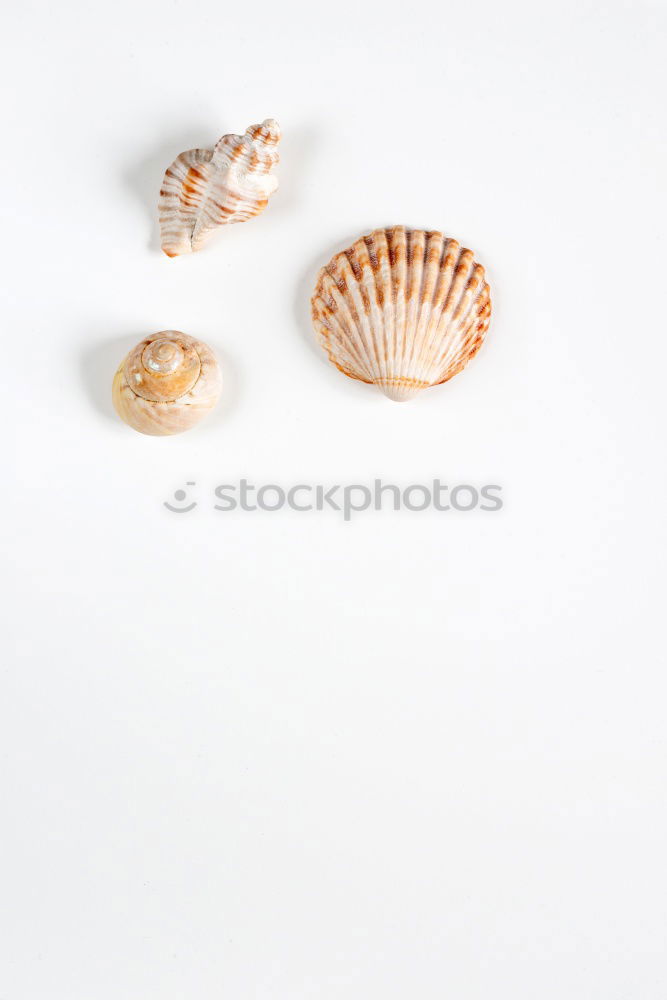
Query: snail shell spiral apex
pixel 166 384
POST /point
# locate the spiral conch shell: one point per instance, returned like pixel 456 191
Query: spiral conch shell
pixel 166 384
pixel 204 188
pixel 403 309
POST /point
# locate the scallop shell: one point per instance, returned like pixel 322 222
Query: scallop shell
pixel 204 188
pixel 166 384
pixel 401 308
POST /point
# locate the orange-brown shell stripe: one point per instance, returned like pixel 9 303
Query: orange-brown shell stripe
pixel 204 189
pixel 402 308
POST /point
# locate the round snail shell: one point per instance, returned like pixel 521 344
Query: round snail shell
pixel 166 384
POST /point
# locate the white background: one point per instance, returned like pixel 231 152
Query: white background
pixel 278 756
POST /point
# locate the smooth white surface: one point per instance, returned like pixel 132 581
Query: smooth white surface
pixel 277 756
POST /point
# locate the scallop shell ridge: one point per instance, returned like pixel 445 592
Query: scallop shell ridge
pixel 204 189
pixel 402 308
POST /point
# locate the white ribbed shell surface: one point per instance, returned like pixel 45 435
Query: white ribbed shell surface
pixel 402 308
pixel 204 189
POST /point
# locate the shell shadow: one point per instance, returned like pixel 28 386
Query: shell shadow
pixel 304 291
pixel 98 364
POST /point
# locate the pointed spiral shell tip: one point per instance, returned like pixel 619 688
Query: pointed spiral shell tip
pixel 268 132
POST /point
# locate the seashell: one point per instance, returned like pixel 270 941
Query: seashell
pixel 204 188
pixel 166 384
pixel 401 308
